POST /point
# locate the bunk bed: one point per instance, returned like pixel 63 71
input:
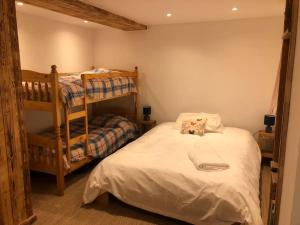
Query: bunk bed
pixel 70 145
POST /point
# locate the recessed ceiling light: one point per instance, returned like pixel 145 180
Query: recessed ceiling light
pixel 20 3
pixel 85 21
pixel 169 14
pixel 235 9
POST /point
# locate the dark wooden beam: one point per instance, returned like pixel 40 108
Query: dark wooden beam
pixel 88 12
pixel 284 97
pixel 15 199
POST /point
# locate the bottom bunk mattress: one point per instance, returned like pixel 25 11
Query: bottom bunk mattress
pixel 155 173
pixel 107 133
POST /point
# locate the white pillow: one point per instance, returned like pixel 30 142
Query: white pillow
pixel 213 124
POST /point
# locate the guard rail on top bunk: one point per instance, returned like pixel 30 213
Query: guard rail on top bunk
pixel 42 93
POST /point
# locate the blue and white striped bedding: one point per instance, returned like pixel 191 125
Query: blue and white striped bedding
pixel 107 133
pixel 72 91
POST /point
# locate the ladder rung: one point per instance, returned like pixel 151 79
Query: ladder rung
pixel 77 139
pixel 76 115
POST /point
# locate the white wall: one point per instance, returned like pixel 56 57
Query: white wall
pixel 226 67
pixel 290 202
pixel 45 42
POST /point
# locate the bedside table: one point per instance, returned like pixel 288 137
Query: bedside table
pixel 146 125
pixel 266 143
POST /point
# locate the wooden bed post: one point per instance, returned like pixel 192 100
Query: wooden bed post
pixel 86 120
pixel 57 124
pixel 136 94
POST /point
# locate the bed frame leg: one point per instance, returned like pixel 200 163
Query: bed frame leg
pixel 102 201
pixel 60 182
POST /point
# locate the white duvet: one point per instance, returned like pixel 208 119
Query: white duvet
pixel 155 173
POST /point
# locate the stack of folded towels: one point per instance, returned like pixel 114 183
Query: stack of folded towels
pixel 206 158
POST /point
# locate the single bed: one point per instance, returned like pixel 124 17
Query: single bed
pixel 71 89
pixel 155 173
pixel 107 133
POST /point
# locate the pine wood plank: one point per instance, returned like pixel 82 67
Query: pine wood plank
pixel 39 106
pixel 15 204
pixel 284 97
pixel 88 12
pixel 77 115
pixel 32 76
pixel 77 139
pixel 41 141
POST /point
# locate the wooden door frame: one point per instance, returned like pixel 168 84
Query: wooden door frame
pixel 284 97
pixel 15 190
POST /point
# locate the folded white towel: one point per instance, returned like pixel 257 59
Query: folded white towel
pixel 206 158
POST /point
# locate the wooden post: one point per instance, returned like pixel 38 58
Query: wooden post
pixel 284 97
pixel 136 94
pixel 86 121
pixel 15 199
pixel 57 123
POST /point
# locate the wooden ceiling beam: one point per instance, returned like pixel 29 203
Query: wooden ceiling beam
pixel 88 12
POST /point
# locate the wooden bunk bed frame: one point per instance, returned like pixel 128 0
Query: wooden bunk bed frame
pixel 54 104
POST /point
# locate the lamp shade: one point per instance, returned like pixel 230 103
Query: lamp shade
pixel 269 120
pixel 147 110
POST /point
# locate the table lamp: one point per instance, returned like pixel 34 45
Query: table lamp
pixel 147 112
pixel 269 121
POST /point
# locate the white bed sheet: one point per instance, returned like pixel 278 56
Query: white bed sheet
pixel 154 173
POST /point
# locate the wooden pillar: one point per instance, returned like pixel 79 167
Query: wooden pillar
pixel 15 199
pixel 136 94
pixel 284 97
pixel 57 123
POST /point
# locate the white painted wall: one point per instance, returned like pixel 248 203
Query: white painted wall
pixel 290 202
pixel 45 42
pixel 226 67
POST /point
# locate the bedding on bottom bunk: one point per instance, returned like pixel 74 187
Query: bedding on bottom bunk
pixel 107 133
pixel 155 173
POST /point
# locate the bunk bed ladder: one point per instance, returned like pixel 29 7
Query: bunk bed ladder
pixel 69 117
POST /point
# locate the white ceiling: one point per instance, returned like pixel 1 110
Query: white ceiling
pixel 153 12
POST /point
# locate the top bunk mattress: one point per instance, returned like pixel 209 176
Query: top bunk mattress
pixel 71 89
pixel 155 173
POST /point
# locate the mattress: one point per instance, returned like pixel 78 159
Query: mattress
pixel 155 173
pixel 107 133
pixel 71 90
